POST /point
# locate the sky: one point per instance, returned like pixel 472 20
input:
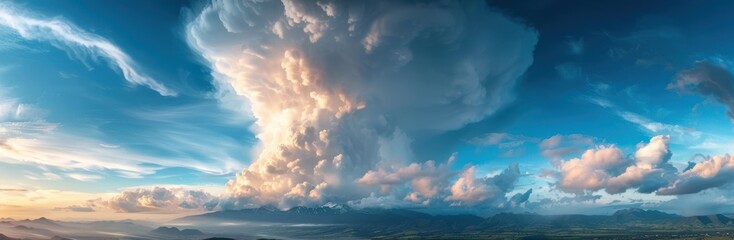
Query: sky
pixel 160 109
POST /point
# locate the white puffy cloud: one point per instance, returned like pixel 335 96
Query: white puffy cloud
pixel 469 190
pixel 159 199
pixel 426 180
pixel 328 82
pixel 651 155
pixel 713 172
pixel 648 171
pixel 63 33
pixel 592 171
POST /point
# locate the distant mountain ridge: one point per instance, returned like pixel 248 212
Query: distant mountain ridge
pixel 41 221
pixel 401 219
pixel 174 231
pixel 3 237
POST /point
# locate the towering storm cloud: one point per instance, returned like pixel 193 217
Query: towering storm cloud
pixel 338 90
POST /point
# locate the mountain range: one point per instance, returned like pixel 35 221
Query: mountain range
pixel 343 215
pixel 339 222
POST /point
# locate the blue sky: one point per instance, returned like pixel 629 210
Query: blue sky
pixel 88 99
pixel 306 103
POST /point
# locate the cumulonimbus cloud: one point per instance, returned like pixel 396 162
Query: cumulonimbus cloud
pixel 63 33
pixel 328 81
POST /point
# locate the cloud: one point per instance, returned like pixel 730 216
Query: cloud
pixel 327 82
pixel 511 145
pixel 36 202
pixel 592 170
pixel 709 80
pixel 580 198
pixel 706 202
pixel 575 46
pixel 26 138
pixel 647 125
pixel 426 180
pixel 76 208
pixel 502 140
pixel 378 201
pixel 61 33
pixel 13 190
pixel 606 167
pixel 657 127
pixel 518 200
pixel 84 177
pixel 713 172
pixel 559 146
pixel 648 171
pixel 159 199
pixel 569 71
pixel 651 170
pixel 44 176
pixel 469 190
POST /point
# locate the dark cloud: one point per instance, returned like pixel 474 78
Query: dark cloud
pixel 519 199
pixel 708 79
pixel 506 180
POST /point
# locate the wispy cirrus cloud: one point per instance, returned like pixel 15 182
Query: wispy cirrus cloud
pixel 27 138
pixel 66 35
pixel 646 124
pixel 13 190
pixel 84 177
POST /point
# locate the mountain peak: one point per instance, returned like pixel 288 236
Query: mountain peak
pixel 632 214
pixel 41 220
pixel 270 208
pixel 334 205
pixel 3 237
